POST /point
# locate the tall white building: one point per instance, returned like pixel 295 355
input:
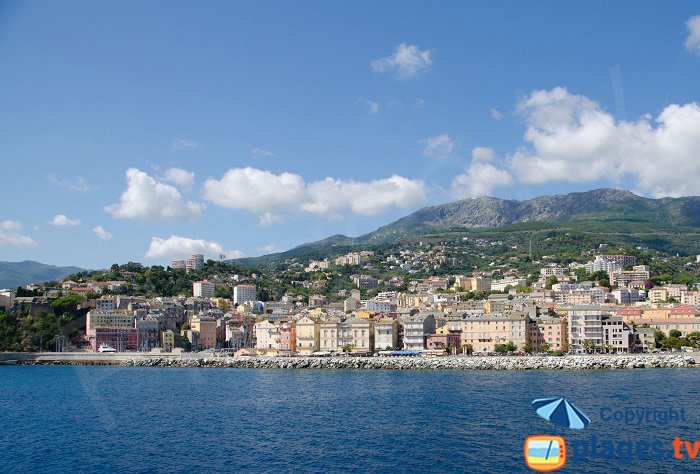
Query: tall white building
pixel 243 293
pixel 195 262
pixel 203 289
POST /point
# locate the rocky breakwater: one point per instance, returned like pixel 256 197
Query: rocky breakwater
pixel 438 363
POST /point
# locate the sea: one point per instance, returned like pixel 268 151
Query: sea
pixel 104 419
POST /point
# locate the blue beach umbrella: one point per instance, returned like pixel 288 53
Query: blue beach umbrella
pixel 561 412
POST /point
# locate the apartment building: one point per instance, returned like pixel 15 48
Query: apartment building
pixel 585 323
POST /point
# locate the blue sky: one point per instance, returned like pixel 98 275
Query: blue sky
pixel 146 130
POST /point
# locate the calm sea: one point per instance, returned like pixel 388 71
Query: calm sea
pixel 123 420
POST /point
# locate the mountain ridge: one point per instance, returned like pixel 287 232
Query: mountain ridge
pixel 614 206
pixel 14 274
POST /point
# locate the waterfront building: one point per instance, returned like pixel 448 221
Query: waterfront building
pixel 147 334
pixel 357 333
pixel 167 340
pixel 449 341
pixel 288 339
pixel 267 337
pixel 549 330
pixel 328 336
pixel 307 336
pixel 617 336
pixel 415 330
pixel 386 334
pixel 205 327
pixel 586 324
pixel 484 331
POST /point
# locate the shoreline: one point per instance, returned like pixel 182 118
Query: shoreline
pixel 571 362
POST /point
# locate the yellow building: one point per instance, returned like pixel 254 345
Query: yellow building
pixel 206 327
pixel 221 303
pixel 308 338
pixel 167 340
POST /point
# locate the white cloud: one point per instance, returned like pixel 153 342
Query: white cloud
pixel 62 220
pixel 270 248
pixel 179 177
pixel 262 192
pixel 373 107
pixel 102 233
pixel 479 180
pixel 148 199
pixel 692 43
pixel 481 153
pixel 258 153
pixel 571 138
pixel 496 114
pixel 79 185
pixel 438 147
pixel 406 61
pixel 183 144
pixel 10 234
pixel 180 247
pixel 268 218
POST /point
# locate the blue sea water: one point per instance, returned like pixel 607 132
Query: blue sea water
pixel 153 420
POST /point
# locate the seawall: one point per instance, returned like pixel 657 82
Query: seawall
pixel 578 362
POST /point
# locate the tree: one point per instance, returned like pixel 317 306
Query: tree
pixel 527 348
pixel 659 336
pixel 544 347
pixel 672 342
pixel 511 347
pixel 675 333
pixel 348 348
pixel 693 339
pixel 468 349
pixel 553 280
pixel 67 304
pixel 500 348
pixel 182 342
pixel 588 345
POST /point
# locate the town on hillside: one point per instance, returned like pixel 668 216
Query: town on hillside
pixel 362 303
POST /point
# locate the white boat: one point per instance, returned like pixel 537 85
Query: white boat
pixel 105 348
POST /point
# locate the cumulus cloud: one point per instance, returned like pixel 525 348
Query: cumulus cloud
pixel 270 248
pixel 102 233
pixel 692 43
pixel 78 185
pixel 265 192
pixel 373 107
pixel 479 180
pixel 268 218
pixel 571 138
pixel 406 61
pixel 481 153
pixel 62 220
pixel 147 199
pixel 183 144
pixel 179 177
pixel 10 234
pixel 258 153
pixel 180 247
pixel 438 147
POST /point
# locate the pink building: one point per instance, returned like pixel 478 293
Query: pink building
pixel 119 339
pixel 288 339
pixel 440 341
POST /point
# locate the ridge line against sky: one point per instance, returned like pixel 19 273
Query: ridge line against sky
pixel 189 130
